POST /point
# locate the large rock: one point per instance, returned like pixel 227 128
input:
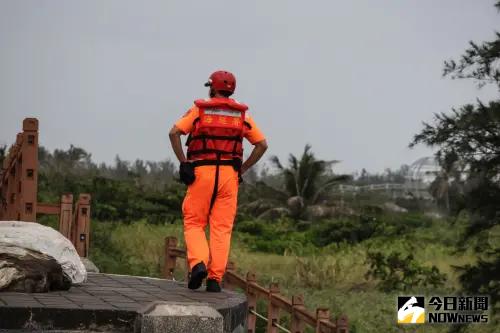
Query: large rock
pixel 25 270
pixel 295 205
pixel 27 249
pixel 392 207
pixel 314 212
pixel 274 213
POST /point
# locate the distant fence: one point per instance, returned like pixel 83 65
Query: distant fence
pixel 19 189
pixel 412 189
pixel 299 315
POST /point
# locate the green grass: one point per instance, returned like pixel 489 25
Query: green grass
pixel 332 276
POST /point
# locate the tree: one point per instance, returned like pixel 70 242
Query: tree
pixel 3 152
pixel 124 191
pixel 303 177
pixel 470 136
pixel 447 188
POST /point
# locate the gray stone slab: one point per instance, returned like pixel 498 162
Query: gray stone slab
pixel 110 301
pixel 179 317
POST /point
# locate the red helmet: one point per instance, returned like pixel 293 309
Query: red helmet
pixel 222 81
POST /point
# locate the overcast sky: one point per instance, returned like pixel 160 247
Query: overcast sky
pixel 355 78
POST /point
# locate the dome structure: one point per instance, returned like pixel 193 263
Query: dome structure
pixel 424 170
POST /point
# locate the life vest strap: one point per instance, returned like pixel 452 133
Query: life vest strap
pixel 235 163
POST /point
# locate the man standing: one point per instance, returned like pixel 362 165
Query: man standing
pixel 212 170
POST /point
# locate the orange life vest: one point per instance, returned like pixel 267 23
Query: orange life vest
pixel 218 131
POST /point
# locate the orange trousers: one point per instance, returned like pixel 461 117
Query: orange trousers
pixel 197 214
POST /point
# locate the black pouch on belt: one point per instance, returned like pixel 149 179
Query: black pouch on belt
pixel 186 173
pixel 237 167
pixel 237 164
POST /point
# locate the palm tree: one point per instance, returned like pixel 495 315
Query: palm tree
pixel 305 177
pixel 440 189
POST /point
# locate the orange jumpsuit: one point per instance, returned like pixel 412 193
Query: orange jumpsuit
pixel 196 206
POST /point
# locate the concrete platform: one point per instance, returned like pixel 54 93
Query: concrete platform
pixel 109 303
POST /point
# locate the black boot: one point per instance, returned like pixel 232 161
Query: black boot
pixel 198 273
pixel 213 286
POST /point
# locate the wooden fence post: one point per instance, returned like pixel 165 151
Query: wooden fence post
pixel 273 312
pixel 82 225
pixel 28 171
pixel 170 260
pixel 66 215
pixel 297 325
pixel 231 266
pixel 321 314
pixel 342 325
pixel 252 302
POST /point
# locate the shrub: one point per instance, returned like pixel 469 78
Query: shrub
pixel 351 230
pixel 399 272
pixel 251 227
pixel 278 237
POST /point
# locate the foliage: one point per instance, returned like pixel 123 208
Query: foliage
pixel 470 135
pixel 123 192
pixel 278 238
pixel 356 229
pixel 480 62
pixel 135 249
pixel 479 275
pixel 321 271
pixel 258 198
pixel 107 255
pixel 402 272
pixel 352 230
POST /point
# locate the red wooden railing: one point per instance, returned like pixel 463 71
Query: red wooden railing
pixel 19 188
pixel 19 175
pixel 299 315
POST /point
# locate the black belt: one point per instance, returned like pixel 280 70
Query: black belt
pixel 235 163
